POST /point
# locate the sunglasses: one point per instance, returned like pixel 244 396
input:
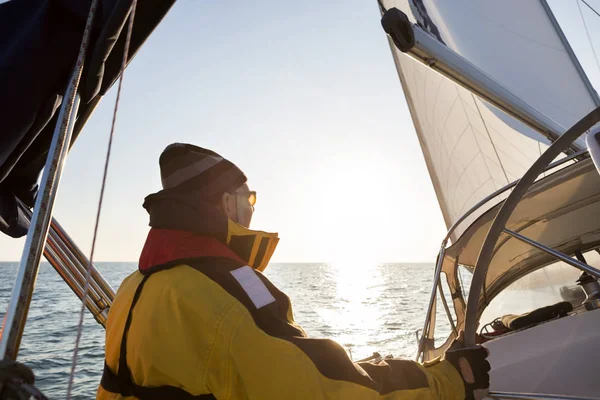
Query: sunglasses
pixel 251 196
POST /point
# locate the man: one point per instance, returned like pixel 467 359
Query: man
pixel 198 320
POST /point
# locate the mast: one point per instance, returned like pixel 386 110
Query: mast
pixel 440 58
pixel 16 315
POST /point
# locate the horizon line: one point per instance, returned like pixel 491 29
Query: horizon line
pixel 274 262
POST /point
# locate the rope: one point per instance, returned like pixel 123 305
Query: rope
pixel 587 31
pixel 103 186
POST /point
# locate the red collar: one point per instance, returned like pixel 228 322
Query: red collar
pixel 165 245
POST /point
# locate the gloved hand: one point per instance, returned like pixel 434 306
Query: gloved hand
pixel 472 365
pixel 16 382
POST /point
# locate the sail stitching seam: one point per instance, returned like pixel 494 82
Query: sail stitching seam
pixel 588 32
pixel 491 141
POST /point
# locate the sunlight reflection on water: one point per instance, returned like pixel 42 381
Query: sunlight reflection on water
pixel 366 308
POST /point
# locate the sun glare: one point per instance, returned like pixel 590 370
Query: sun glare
pixel 354 314
pixel 355 279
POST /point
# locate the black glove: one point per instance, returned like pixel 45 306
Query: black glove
pixel 473 367
pixel 16 382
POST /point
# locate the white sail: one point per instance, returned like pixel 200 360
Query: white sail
pixel 472 148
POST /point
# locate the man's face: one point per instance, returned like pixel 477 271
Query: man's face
pixel 239 206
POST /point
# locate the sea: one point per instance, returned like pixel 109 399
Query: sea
pixel 367 309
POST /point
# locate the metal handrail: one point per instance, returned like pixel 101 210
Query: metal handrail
pixel 556 254
pixel 438 271
pixel 103 287
pixel 447 308
pixel 18 307
pixel 98 312
pixel 71 264
pixel 453 66
pixel 497 227
pixel 574 156
pixel 63 262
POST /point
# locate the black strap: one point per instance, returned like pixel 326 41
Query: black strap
pixel 111 383
pixel 123 382
pixel 458 294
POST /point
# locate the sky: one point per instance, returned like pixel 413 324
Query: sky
pixel 304 97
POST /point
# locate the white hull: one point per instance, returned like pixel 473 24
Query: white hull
pixel 558 357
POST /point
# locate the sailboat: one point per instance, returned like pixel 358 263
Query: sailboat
pixel 502 109
pixel 503 142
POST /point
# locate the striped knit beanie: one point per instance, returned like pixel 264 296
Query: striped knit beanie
pixel 188 168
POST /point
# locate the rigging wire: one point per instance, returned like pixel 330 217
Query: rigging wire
pixel 587 31
pixel 591 8
pixel 102 187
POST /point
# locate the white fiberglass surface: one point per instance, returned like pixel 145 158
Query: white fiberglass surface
pixel 543 287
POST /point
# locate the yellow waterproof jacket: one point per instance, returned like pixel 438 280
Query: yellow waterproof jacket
pixel 208 326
